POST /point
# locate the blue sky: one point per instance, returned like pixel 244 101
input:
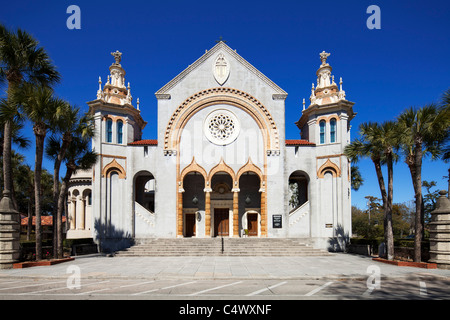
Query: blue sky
pixel 384 71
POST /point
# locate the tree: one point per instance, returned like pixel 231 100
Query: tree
pixel 21 60
pixel 24 180
pixel 446 150
pixel 429 201
pixel 423 132
pixel 78 157
pixel 356 178
pixel 41 106
pixel 69 124
pixel 8 113
pixel 379 143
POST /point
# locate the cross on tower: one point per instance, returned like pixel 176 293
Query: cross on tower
pixel 221 40
pixel 117 56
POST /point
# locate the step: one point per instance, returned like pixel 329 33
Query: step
pixel 213 247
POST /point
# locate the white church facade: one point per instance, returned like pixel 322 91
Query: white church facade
pixel 221 164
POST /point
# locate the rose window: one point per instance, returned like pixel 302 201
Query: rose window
pixel 221 127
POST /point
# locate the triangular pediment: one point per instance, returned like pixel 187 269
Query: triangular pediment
pixel 222 76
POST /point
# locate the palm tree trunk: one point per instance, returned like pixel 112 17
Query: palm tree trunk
pixel 418 194
pixel 40 138
pixel 384 197
pixel 30 220
pixel 388 231
pixel 7 170
pixel 61 204
pixel 57 220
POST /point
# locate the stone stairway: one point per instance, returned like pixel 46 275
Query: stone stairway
pixel 217 247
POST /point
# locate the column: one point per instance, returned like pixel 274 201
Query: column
pixel 236 213
pixel 263 214
pixel 180 214
pixel 440 232
pixel 9 232
pixel 83 214
pixel 207 214
pixel 73 212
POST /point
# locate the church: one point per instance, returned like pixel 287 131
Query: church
pixel 221 165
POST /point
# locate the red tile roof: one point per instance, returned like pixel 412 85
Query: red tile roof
pixel 299 143
pixel 148 142
pixel 152 142
pixel 45 220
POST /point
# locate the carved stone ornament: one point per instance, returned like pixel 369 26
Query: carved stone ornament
pixel 221 69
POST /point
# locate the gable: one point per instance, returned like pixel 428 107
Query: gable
pixel 241 75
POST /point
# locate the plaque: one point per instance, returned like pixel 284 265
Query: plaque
pixel 277 220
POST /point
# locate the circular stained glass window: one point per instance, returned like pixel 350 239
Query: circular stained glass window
pixel 221 127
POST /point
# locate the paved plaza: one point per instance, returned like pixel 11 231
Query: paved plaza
pixel 335 266
pixel 337 276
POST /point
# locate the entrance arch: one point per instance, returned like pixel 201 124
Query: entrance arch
pixel 193 200
pixel 221 199
pixel 250 195
pixel 144 189
pixel 298 184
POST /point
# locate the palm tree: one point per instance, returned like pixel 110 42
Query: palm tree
pixel 8 113
pixel 69 124
pixel 356 178
pixel 21 60
pixel 446 156
pixel 423 132
pixel 78 157
pixel 379 143
pixel 41 106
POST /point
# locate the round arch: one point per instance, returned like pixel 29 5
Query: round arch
pixel 226 96
pixel 298 184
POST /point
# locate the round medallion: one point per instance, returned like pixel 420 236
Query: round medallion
pixel 221 127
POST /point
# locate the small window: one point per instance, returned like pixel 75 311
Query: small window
pixel 333 130
pixel 322 125
pixel 109 130
pixel 119 132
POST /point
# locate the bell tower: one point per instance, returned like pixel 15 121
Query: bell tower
pixel 327 119
pixel 117 120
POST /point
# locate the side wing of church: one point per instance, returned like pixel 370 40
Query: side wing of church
pixel 221 165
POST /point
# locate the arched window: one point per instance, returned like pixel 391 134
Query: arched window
pixel 333 130
pixel 119 131
pixel 109 130
pixel 89 198
pixel 322 125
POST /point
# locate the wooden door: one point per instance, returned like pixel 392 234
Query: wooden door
pixel 252 224
pixel 221 222
pixel 190 225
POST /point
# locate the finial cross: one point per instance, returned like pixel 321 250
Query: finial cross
pixel 117 56
pixel 221 40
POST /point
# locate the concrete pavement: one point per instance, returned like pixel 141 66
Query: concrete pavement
pixel 335 266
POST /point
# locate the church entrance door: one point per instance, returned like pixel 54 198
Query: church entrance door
pixel 252 223
pixel 190 225
pixel 221 222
